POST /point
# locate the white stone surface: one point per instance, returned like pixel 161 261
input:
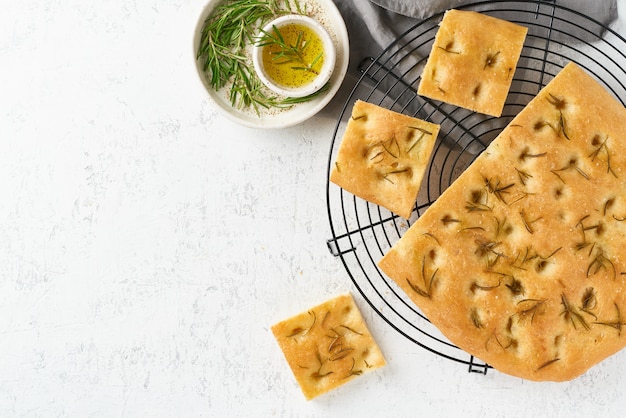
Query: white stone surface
pixel 147 243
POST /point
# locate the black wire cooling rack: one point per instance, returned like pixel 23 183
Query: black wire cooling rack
pixel 363 232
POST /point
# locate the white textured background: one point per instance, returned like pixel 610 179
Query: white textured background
pixel 147 243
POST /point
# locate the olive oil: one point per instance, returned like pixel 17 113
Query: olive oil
pixel 289 70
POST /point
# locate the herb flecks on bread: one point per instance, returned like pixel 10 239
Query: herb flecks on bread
pixel 328 345
pixel 472 61
pixel 383 156
pixel 520 262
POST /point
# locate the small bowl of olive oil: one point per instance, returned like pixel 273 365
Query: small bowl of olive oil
pixel 294 56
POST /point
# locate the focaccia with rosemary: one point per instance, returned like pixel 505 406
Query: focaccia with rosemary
pixel 472 61
pixel 328 345
pixel 521 261
pixel 383 156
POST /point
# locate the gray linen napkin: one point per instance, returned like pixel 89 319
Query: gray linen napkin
pixel 374 24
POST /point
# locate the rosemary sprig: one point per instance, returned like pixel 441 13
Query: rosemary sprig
pixel 524 176
pixel 353 372
pixel 225 37
pixel 288 53
pixel 511 343
pixel 428 282
pixel 429 235
pixel 406 171
pixel 528 224
pixel 570 314
pixel 477 207
pixel 378 149
pixel 487 249
pixel 497 189
pixel 419 138
pixel 607 205
pixel 617 323
pixel 350 329
pixel 548 363
pixel 572 164
pixel 602 146
pixel 530 308
pixel 393 146
pixel 503 227
pixel 475 318
pixel 526 154
pixel 318 374
pixel 601 262
pixel 589 302
pixel 449 48
pixel 299 330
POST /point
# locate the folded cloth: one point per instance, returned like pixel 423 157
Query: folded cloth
pixel 374 24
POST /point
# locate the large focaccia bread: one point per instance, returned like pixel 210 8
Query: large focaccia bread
pixel 521 261
pixel 383 156
pixel 472 61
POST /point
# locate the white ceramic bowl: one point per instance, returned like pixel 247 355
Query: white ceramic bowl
pixel 333 22
pixel 328 64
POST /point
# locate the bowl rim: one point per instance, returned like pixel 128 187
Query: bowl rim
pixel 325 72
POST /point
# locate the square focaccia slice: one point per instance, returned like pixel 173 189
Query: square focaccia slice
pixel 472 61
pixel 521 262
pixel 383 156
pixel 328 345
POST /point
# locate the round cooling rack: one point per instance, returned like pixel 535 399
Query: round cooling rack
pixel 363 232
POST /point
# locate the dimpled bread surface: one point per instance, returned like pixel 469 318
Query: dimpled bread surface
pixel 521 262
pixel 328 345
pixel 472 61
pixel 383 156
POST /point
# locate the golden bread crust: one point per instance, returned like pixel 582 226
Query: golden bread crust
pixel 472 61
pixel 383 156
pixel 520 262
pixel 328 345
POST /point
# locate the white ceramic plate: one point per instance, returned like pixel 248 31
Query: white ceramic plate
pixel 298 113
